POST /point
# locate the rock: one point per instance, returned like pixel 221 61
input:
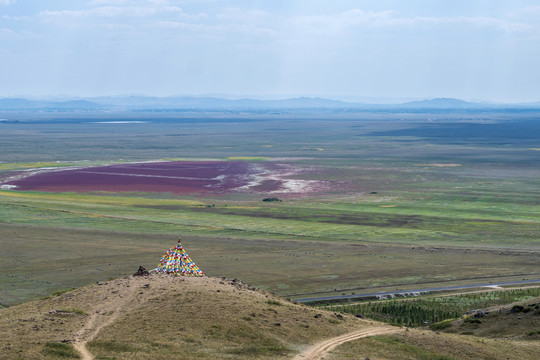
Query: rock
pixel 516 309
pixel 359 316
pixel 141 272
pixel 480 314
pixel 317 316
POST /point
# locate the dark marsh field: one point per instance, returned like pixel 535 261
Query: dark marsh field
pixel 419 198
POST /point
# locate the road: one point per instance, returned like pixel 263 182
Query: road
pixel 407 292
pixel 319 350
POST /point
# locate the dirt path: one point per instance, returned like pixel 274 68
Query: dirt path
pixel 318 351
pixel 107 313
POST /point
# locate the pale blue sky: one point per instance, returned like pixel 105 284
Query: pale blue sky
pixel 488 50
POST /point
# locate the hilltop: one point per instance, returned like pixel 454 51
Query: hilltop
pixel 167 317
pixel 215 318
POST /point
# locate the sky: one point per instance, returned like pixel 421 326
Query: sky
pixel 470 49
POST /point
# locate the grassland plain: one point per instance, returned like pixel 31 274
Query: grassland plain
pixel 407 208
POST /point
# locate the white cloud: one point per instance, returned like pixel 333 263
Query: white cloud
pixel 104 11
pixel 7 33
pixel 245 15
pixel 358 18
pixel 7 2
pixel 120 2
pixel 118 27
pixel 18 18
pixel 119 18
pixel 354 17
pixel 107 2
pixel 114 11
pixel 221 30
pixel 479 21
pixel 526 12
pixel 178 25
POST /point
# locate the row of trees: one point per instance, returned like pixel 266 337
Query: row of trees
pixel 424 311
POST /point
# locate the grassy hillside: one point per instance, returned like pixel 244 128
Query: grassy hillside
pixel 428 345
pixel 501 332
pixel 166 317
pixel 520 320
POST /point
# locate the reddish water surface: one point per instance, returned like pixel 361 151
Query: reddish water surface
pixel 181 177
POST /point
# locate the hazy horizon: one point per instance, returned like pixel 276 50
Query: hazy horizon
pixel 345 98
pixel 475 50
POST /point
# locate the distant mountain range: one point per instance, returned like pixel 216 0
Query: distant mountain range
pixel 442 103
pixel 20 104
pixel 193 103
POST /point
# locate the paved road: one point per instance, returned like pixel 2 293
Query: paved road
pixel 409 292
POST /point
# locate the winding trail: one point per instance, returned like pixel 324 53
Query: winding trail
pixel 107 313
pixel 319 350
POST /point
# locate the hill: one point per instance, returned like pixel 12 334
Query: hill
pixel 189 104
pixel 442 103
pixel 501 332
pixel 19 104
pixel 165 317
pixel 213 103
pixel 519 320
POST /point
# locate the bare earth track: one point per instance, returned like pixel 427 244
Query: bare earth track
pixel 318 351
pixel 104 314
